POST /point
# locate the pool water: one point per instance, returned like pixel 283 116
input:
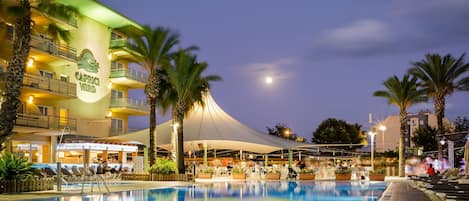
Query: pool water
pixel 255 191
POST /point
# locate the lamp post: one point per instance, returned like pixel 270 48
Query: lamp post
pixel 382 128
pixel 372 135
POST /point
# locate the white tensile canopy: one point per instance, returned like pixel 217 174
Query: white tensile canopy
pixel 212 126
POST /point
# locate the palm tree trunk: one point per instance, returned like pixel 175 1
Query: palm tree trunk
pixel 152 151
pixel 180 137
pixel 14 77
pixel 440 103
pixel 402 120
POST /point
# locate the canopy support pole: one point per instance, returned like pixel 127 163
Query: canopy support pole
pixel 266 160
pixel 290 158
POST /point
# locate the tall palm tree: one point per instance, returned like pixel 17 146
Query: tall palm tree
pixel 403 94
pixel 440 77
pixel 152 50
pixel 185 75
pixel 20 15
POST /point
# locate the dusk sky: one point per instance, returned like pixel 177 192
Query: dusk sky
pixel 326 57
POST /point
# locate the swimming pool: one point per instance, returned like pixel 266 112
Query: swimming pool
pixel 284 190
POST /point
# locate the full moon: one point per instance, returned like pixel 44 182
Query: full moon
pixel 268 80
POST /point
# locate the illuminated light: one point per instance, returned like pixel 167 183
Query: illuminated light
pixel 61 154
pixel 30 99
pixel 269 80
pixel 109 56
pixel 37 154
pixel 382 128
pixel 109 85
pixel 31 62
pixel 96 146
pixel 109 114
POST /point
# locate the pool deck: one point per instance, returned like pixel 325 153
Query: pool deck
pixel 397 190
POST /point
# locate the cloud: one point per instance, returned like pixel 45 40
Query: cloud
pixel 279 69
pixel 412 26
pixel 363 37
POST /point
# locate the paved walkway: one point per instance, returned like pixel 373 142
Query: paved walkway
pixel 401 191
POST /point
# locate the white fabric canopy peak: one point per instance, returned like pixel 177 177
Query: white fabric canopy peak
pixel 213 126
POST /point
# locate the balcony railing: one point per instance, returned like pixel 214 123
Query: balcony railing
pixel 117 72
pixel 50 85
pixel 121 43
pixel 120 131
pixel 52 47
pixel 44 121
pixel 129 103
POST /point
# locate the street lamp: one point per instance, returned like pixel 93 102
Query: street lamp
pixel 382 128
pixel 372 135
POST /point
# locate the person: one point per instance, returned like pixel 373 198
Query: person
pixel 431 171
pixel 302 165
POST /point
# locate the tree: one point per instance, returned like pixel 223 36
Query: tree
pixel 425 137
pixel 403 94
pixel 335 131
pixel 20 15
pixel 189 86
pixel 153 50
pixel 461 124
pixel 281 130
pixel 440 77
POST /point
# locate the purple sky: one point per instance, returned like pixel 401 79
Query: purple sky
pixel 326 57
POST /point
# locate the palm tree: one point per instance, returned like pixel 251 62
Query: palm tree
pixel 440 77
pixel 152 50
pixel 188 85
pixel 403 94
pixel 20 14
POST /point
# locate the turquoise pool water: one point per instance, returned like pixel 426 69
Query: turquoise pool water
pixel 255 191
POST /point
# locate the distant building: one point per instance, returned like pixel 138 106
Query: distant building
pixel 389 138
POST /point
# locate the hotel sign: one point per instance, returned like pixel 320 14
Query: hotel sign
pixel 87 65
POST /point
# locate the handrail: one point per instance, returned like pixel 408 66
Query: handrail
pixel 117 72
pixel 44 43
pixel 45 121
pixel 129 103
pixel 50 84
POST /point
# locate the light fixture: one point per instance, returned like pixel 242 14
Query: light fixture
pixel 382 127
pixel 31 62
pixel 109 113
pixel 176 125
pixel 443 141
pixel 31 99
pixel 109 85
pixel 371 133
pixel 109 56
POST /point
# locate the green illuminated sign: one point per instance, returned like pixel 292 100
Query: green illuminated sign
pixel 88 63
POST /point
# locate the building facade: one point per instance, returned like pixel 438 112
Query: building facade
pixel 388 138
pixel 77 87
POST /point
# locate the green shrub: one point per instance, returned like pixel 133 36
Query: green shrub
pixel 307 171
pixel 164 166
pixel 378 171
pixel 207 170
pixel 238 170
pixel 15 167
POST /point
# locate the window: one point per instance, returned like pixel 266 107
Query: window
pixel 64 78
pixel 116 94
pixel 44 110
pixel 116 36
pixel 421 122
pixel 46 74
pixel 117 126
pixel 115 65
pixel 10 32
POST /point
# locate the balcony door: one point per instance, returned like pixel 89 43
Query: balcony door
pixel 117 126
pixel 63 117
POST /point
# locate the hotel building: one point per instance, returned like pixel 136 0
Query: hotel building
pixel 78 88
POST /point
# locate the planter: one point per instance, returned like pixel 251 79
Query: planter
pixel 343 177
pixel 170 177
pixel 238 176
pixel 307 176
pixel 272 176
pixel 138 177
pixel 205 175
pixel 376 177
pixel 16 186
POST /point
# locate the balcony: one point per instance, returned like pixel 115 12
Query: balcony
pixel 44 18
pixel 128 77
pixel 129 106
pixel 47 50
pixel 121 131
pixel 122 49
pixel 44 121
pixel 48 87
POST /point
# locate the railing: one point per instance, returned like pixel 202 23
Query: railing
pixel 129 103
pixel 117 72
pixel 52 47
pixel 50 85
pixel 45 121
pixel 120 131
pixel 121 43
pixel 72 20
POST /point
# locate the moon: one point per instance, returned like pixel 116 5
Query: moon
pixel 268 80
